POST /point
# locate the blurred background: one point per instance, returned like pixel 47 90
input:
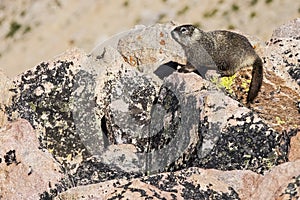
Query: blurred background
pixel 32 31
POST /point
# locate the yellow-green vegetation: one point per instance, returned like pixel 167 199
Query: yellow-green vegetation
pixel 252 14
pixel 253 2
pixel 183 10
pixel 231 27
pixel 279 120
pixel 235 7
pixel 224 82
pixel 268 1
pixel 27 29
pixel 14 27
pixel 245 85
pixel 126 3
pixel 32 106
pixel 210 13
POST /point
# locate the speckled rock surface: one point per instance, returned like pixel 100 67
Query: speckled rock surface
pixel 294 153
pixel 150 45
pixel 119 126
pixel 25 170
pixel 289 29
pixel 4 97
pixel 281 78
pixel 192 183
pixel 282 182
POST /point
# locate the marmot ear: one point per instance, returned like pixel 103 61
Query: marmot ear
pixel 196 34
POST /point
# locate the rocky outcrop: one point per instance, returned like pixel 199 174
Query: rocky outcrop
pixel 122 122
pixel 25 170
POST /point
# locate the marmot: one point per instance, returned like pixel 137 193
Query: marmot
pixel 221 50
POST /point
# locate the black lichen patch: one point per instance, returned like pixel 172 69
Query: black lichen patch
pixel 10 157
pixel 43 98
pixel 294 72
pixel 165 183
pixel 290 57
pixel 249 145
pixel 89 171
pixel 192 191
pixel 171 182
pixel 59 102
pixel 130 98
pixel 293 188
pixel 169 103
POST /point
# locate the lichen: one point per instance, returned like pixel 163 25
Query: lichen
pixel 226 83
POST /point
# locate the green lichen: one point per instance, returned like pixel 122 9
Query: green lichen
pixel 279 121
pixel 245 84
pixel 226 82
pixel 32 106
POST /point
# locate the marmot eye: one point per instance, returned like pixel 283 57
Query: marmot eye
pixel 183 29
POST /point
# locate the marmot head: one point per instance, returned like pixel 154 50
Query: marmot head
pixel 186 34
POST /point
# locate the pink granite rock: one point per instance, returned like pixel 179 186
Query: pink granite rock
pixel 25 170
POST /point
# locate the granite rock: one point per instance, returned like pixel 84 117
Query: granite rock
pixel 122 122
pixel 25 170
pixel 282 182
pixel 192 183
pixel 4 97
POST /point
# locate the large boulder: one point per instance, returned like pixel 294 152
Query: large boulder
pixel 123 111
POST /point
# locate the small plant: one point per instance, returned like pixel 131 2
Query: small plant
pixel 253 2
pixel 235 7
pixel 268 1
pixel 126 3
pixel 183 10
pixel 227 82
pixel 231 27
pixel 23 13
pixel 27 29
pixel 14 27
pixel 252 14
pixel 210 13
